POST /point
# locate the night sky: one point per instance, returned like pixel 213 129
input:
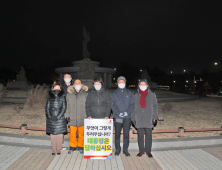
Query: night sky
pixel 171 35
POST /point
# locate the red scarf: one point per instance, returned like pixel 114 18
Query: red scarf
pixel 143 97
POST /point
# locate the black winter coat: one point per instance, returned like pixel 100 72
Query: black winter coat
pixel 122 103
pixel 56 106
pixel 65 87
pixel 98 103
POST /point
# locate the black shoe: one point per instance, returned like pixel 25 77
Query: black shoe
pixel 126 153
pixel 53 152
pixel 117 153
pixel 71 150
pixel 140 154
pixel 58 152
pixel 149 155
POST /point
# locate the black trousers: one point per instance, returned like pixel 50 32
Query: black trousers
pixel 148 139
pixel 118 127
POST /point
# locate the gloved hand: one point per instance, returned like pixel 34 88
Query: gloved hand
pixel 154 122
pixel 133 122
pixel 54 118
pixel 67 120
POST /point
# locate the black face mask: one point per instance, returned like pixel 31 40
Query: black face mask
pixel 56 91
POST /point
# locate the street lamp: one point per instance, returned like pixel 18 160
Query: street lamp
pixel 141 70
pixel 114 68
pixel 217 77
pixel 172 73
pixel 185 73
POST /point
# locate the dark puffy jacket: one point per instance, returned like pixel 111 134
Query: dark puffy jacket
pixel 98 103
pixel 122 103
pixel 56 106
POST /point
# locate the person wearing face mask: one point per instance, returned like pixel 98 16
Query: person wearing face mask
pixel 55 119
pixel 67 82
pixel 98 101
pixel 122 104
pixel 75 114
pixel 144 116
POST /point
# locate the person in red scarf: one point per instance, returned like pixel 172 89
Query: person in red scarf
pixel 144 116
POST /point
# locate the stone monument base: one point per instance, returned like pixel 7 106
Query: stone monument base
pixel 153 86
pixel 87 82
pixel 17 85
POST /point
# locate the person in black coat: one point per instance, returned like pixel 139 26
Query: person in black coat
pixel 98 104
pixel 122 104
pixel 55 120
pixel 67 82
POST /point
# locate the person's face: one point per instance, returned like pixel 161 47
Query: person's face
pixel 57 88
pixel 67 76
pixel 143 84
pixel 122 81
pixel 77 82
pixel 97 83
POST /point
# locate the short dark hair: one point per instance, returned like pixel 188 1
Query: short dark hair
pixel 67 73
pixel 77 79
pixel 98 79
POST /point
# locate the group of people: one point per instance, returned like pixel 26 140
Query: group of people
pixel 72 103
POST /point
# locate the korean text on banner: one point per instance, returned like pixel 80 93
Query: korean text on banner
pixel 98 138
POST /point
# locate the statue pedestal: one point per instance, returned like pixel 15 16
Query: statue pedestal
pixel 87 82
pixel 17 85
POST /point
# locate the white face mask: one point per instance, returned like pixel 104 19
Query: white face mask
pixel 97 87
pixel 78 87
pixel 67 80
pixel 121 85
pixel 143 88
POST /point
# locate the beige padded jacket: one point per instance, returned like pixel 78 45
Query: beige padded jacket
pixel 76 106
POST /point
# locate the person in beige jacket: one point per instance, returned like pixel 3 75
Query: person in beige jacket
pixel 76 113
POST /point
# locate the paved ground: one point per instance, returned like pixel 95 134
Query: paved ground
pixel 20 157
